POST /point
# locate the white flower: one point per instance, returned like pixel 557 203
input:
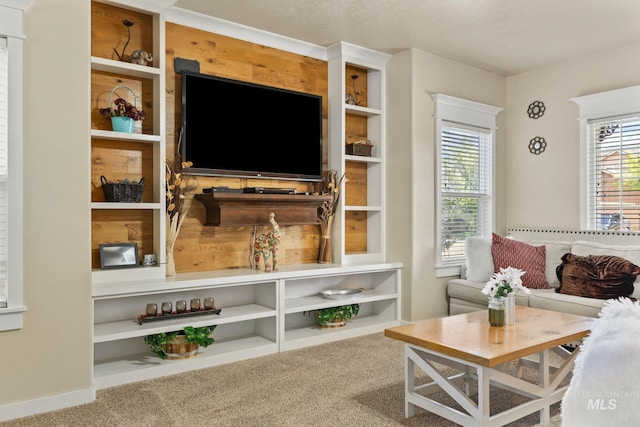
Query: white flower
pixel 507 281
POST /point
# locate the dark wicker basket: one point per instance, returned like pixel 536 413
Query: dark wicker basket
pixel 123 192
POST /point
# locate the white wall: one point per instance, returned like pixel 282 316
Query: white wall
pixel 411 173
pixel 51 354
pixel 543 190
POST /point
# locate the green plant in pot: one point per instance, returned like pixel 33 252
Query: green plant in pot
pixel 180 344
pixel 333 317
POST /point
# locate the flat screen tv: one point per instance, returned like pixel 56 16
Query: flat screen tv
pixel 234 128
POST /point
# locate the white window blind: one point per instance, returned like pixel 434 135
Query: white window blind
pixel 613 173
pixel 465 170
pixel 465 137
pixel 4 143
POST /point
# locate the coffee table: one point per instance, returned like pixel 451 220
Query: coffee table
pixel 492 356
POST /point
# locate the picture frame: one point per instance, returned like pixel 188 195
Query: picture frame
pixel 118 255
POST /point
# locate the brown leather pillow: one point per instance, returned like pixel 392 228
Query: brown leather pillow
pixel 596 276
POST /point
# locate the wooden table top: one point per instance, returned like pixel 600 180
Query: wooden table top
pixel 469 337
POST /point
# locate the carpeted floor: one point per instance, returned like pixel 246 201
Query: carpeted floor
pixel 355 382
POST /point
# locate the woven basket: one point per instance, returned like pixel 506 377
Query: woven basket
pixel 121 123
pixel 123 192
pixel 179 348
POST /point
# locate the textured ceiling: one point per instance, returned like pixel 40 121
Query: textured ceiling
pixel 504 36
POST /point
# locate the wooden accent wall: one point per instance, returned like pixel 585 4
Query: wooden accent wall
pixel 202 247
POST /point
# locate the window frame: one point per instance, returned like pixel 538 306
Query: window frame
pixel 465 113
pixel 11 28
pixel 599 106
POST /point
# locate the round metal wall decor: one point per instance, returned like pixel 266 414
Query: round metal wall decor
pixel 536 109
pixel 537 145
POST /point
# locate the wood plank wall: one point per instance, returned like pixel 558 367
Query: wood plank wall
pixel 199 247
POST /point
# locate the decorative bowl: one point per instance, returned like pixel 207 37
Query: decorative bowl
pixel 341 293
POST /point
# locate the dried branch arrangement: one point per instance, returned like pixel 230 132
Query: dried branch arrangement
pixel 179 189
pixel 331 185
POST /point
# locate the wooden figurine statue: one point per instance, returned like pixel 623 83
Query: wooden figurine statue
pixel 267 246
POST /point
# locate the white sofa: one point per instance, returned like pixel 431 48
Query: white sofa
pixel 464 294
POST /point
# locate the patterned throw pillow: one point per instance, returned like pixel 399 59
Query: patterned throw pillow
pixel 512 253
pixel 596 276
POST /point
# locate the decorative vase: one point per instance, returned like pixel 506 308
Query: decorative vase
pixel 510 309
pixel 171 265
pixel 496 311
pixel 122 124
pixel 324 255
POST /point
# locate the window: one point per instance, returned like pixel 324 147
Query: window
pixel 610 163
pixel 465 135
pixel 11 48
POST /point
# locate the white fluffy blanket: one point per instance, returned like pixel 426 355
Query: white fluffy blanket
pixel 605 387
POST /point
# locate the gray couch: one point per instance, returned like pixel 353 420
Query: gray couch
pixel 464 294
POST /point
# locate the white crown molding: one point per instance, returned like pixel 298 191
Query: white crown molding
pixel 465 111
pixel 609 104
pixel 357 54
pixel 243 32
pixel 156 6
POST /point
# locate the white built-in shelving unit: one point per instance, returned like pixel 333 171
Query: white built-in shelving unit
pixel 261 313
pixel 153 72
pixel 341 56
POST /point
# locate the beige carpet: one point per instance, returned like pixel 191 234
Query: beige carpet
pixel 355 382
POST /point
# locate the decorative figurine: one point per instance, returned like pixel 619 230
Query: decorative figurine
pixel 140 57
pixel 267 246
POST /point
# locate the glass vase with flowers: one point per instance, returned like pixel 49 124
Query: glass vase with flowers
pixel 501 289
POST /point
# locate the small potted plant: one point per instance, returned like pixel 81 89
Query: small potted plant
pixel 335 317
pixel 180 344
pixel 122 113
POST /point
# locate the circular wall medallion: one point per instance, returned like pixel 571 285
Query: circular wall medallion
pixel 536 109
pixel 537 145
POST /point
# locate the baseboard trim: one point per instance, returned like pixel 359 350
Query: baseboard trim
pixel 46 404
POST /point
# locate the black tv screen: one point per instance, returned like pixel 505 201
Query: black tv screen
pixel 234 128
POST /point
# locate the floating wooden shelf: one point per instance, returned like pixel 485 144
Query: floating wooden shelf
pixel 240 209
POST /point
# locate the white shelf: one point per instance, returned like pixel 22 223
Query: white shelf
pixel 116 205
pixel 363 208
pixel 124 329
pixel 138 367
pixel 362 159
pixel 126 68
pixel 362 111
pixel 124 136
pixel 231 277
pixel 127 274
pixel 296 305
pixel 306 336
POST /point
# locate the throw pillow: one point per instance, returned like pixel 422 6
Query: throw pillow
pixel 555 250
pixel 529 258
pixel 596 276
pixel 479 260
pixel 629 252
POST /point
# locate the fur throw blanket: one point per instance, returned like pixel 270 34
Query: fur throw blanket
pixel 605 386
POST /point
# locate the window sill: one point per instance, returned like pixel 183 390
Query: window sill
pixel 11 318
pixel 447 270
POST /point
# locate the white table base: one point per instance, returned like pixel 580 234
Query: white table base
pixel 477 413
